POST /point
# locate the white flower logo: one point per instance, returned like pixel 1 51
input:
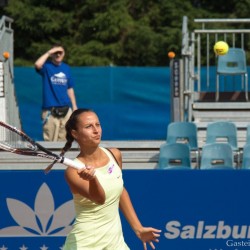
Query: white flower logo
pixel 44 220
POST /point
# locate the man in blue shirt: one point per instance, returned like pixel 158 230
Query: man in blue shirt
pixel 58 93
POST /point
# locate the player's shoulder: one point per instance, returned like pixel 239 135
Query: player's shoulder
pixel 117 155
pixel 69 170
pixel 71 174
pixel 115 151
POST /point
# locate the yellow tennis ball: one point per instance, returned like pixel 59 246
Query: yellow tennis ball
pixel 221 48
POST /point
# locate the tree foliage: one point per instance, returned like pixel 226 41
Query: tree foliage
pixel 109 32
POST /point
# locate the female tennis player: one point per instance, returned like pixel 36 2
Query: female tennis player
pixel 98 191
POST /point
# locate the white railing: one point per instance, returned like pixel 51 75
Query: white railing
pixel 198 53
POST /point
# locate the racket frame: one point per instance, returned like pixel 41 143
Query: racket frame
pixel 44 154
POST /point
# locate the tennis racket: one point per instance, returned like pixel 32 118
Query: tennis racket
pixel 17 142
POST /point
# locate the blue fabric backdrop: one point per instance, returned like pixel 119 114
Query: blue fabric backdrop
pixel 133 103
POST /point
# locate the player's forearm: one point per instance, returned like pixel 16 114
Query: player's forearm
pixel 96 192
pixel 129 212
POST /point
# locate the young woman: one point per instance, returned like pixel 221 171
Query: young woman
pixel 98 191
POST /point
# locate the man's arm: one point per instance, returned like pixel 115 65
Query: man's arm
pixel 71 94
pixel 43 58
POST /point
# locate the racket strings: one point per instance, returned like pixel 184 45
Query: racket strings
pixel 11 139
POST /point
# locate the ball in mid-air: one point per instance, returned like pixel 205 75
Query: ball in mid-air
pixel 221 48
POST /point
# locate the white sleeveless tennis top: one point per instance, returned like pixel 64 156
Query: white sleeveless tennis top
pixel 98 227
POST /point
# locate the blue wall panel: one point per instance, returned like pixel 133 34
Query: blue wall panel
pixel 133 103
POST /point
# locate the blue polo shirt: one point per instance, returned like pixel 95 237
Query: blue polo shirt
pixel 56 81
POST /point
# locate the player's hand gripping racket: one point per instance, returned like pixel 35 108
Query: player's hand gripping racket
pixel 16 141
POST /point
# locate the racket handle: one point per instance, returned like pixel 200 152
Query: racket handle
pixel 73 164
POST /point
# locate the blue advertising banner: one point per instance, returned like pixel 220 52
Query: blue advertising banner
pixel 195 209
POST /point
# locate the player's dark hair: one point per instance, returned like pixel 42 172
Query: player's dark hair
pixel 69 126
